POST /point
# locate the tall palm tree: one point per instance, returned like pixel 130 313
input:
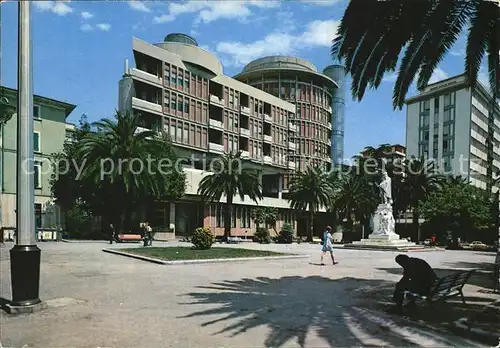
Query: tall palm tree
pixel 372 34
pixel 230 178
pixel 356 198
pixel 420 179
pixel 309 191
pixel 117 160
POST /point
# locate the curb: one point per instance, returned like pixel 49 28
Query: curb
pixel 184 262
pixel 464 325
pixel 83 241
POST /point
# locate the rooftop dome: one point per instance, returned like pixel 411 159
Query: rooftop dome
pixel 181 38
pixel 279 62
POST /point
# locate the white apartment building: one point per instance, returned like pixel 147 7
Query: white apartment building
pixel 448 122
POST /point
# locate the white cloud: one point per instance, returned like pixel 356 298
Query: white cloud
pixel 86 27
pixel 459 53
pixel 318 33
pixel 58 7
pixel 390 77
pixel 323 2
pixel 438 75
pixel 104 26
pixel 86 15
pixel 139 6
pixel 209 10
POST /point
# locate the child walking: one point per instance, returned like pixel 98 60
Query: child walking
pixel 327 245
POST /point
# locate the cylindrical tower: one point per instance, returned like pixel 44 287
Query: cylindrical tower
pixel 297 80
pixel 337 73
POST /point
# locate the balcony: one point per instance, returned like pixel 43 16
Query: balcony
pixel 215 100
pixel 329 126
pixel 216 124
pixel 291 165
pixel 146 106
pixel 268 118
pixel 329 109
pixel 268 160
pixel 245 132
pixel 216 148
pixel 245 110
pixel 141 130
pixel 145 76
pixel 268 138
pixel 292 146
pixel 292 127
pixel 245 154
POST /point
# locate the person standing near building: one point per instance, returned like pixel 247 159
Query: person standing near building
pixel 327 245
pixel 111 233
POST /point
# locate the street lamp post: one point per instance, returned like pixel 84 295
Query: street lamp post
pixel 25 255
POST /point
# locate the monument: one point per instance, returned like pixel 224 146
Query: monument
pixel 384 236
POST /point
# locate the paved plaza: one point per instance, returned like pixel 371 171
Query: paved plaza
pixel 96 299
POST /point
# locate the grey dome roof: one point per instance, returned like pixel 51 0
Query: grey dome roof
pixel 279 62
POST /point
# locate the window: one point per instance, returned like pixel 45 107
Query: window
pixel 219 216
pixel 233 218
pixel 244 214
pixel 186 84
pixel 186 106
pixel 38 215
pixel 180 105
pixel 36 141
pixel 36 112
pixel 37 176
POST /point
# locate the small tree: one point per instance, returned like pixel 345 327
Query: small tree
pixel 265 215
pixel 202 238
pixel 460 208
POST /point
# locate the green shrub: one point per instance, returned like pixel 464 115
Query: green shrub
pixel 202 238
pixel 286 234
pixel 262 235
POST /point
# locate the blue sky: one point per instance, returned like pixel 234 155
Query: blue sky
pixel 79 48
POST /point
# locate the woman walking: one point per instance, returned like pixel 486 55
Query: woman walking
pixel 327 245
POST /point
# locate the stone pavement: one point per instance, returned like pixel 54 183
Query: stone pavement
pixel 98 299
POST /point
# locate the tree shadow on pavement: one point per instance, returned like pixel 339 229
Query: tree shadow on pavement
pixel 292 307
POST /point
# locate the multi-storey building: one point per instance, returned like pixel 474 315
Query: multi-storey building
pixel 453 124
pixel 50 132
pixel 180 89
pixel 319 100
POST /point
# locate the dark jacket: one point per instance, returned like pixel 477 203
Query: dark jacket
pixel 419 272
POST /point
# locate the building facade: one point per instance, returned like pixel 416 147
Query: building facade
pixel 450 122
pixel 319 101
pixel 180 89
pixel 50 132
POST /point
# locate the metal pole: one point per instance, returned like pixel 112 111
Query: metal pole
pixel 25 255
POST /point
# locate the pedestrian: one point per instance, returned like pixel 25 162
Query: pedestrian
pixel 327 245
pixel 149 233
pixel 111 233
pixel 418 278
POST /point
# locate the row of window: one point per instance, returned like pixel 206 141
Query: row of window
pixel 313 130
pixel 242 216
pixel 186 132
pixel 184 107
pixel 311 147
pixel 183 80
pixel 296 91
pixel 313 113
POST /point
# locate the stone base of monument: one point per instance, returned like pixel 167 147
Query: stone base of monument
pixel 384 242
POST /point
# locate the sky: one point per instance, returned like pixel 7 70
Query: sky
pixel 79 48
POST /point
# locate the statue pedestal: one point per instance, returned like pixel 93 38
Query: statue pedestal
pixel 384 236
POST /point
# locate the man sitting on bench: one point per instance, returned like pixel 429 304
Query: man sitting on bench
pixel 418 278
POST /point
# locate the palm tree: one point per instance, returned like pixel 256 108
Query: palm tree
pixel 420 179
pixel 372 34
pixel 308 191
pixel 115 158
pixel 356 198
pixel 230 178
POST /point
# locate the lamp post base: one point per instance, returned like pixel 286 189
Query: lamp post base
pixel 25 275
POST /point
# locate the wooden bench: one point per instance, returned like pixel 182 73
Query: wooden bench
pixel 445 287
pixel 129 238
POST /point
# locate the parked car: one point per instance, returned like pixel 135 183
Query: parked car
pixel 478 245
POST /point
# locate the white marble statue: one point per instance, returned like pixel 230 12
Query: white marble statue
pixel 385 187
